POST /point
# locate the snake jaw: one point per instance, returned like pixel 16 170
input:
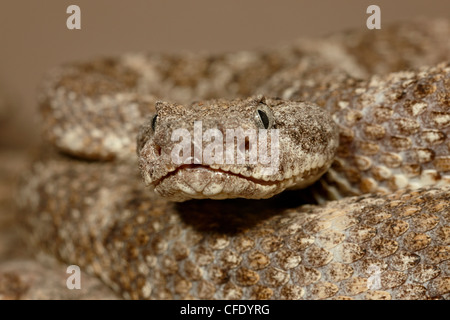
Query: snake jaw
pixel 297 150
pixel 207 182
pixel 201 182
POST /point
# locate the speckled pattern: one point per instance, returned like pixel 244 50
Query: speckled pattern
pixel 94 109
pixel 35 279
pixel 393 119
pixel 393 130
pixel 369 247
pixel 306 146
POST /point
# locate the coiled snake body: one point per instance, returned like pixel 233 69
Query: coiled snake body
pixel 381 130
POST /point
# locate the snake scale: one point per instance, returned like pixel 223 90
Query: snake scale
pixel 371 108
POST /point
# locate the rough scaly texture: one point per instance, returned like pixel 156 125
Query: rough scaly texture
pixel 393 129
pixel 371 247
pixel 301 151
pixel 393 132
pixel 94 109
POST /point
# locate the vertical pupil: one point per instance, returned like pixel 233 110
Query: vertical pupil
pixel 154 122
pixel 264 118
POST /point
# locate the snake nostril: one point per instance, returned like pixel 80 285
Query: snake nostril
pixel 246 146
pixel 157 150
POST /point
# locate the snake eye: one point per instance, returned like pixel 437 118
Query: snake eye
pixel 155 117
pixel 263 117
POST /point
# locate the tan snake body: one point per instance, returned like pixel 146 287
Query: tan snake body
pixel 393 134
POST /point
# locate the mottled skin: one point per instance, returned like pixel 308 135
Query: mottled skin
pixel 393 130
pixel 100 217
pixel 393 134
pixel 307 143
pixel 110 98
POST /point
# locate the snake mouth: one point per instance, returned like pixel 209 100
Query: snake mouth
pixel 195 181
pixel 194 168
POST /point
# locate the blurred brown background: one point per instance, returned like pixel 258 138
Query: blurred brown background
pixel 34 36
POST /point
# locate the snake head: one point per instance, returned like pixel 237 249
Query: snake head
pixel 248 148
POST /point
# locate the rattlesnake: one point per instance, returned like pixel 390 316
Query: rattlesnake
pixel 390 114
